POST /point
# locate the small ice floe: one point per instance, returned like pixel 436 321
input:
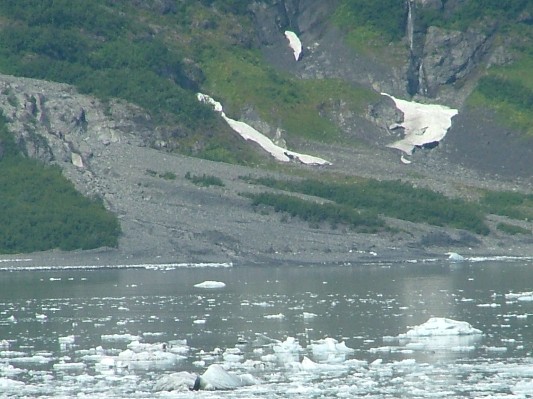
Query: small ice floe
pixel 36 359
pixel 210 284
pixel 424 124
pixel 294 43
pixel 308 315
pixel 278 316
pixel 69 367
pixel 147 360
pixel 455 257
pixel 214 378
pixel 120 338
pixel 8 385
pixel 41 317
pixel 520 296
pixel 233 355
pixel 523 388
pixel 11 319
pixel 249 133
pixel 4 344
pixel 291 344
pixel 330 345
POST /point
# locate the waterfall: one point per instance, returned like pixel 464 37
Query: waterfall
pixel 410 25
pixel 415 81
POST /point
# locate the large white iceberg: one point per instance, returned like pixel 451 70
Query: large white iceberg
pixel 442 334
pixel 294 43
pixel 441 326
pixel 215 377
pixel 249 133
pixel 423 123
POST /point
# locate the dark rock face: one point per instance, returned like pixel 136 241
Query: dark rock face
pixel 449 56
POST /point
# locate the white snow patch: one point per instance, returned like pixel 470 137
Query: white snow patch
pixel 210 284
pixel 294 43
pixel 249 133
pixel 423 123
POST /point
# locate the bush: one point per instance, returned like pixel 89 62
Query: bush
pixel 204 180
pixel 394 199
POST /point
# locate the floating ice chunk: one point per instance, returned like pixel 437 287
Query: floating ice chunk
pixel 12 319
pixel 330 345
pixel 307 315
pixel 9 370
pixel 64 366
pixel 289 345
pixel 233 355
pixel 41 317
pixel 9 385
pixel 37 359
pixel 455 257
pixel 106 364
pixel 4 344
pixel 440 326
pixel 423 123
pixel 294 43
pixel 180 382
pixel 147 360
pixel 524 388
pixel 67 340
pixel 274 316
pixel 441 334
pixel 210 284
pixel 520 296
pixel 215 377
pixel 120 337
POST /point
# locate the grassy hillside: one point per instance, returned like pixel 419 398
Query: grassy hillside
pixel 41 210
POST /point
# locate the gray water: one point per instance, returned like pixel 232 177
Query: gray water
pixel 58 327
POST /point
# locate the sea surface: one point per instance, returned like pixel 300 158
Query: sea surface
pixel 324 331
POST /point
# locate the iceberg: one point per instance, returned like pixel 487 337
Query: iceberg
pixel 294 43
pixel 455 257
pixel 423 123
pixel 214 378
pixel 442 334
pixel 439 327
pixel 210 284
pixel 249 133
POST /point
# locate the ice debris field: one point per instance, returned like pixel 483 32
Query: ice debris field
pixel 268 333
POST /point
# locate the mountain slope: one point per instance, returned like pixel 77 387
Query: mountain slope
pixel 155 56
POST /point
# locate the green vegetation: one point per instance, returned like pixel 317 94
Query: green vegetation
pixel 204 180
pixel 511 204
pixel 316 213
pixel 165 175
pixel 41 210
pixel 383 19
pixel 512 229
pixel 390 198
pixel 92 45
